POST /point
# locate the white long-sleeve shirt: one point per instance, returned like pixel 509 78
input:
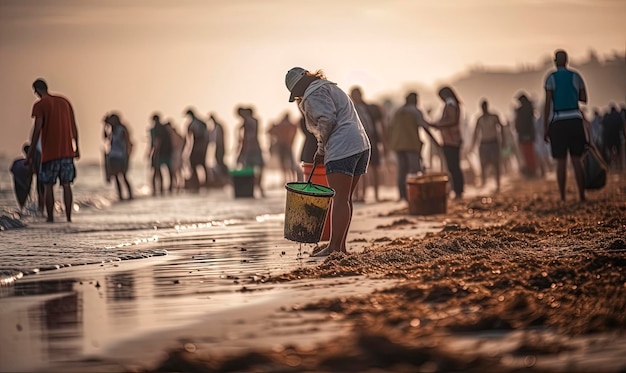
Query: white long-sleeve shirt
pixel 330 116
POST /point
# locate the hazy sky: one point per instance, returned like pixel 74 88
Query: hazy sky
pixel 141 56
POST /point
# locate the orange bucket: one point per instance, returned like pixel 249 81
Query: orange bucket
pixel 427 194
pixel 319 177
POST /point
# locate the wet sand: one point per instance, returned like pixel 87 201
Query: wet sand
pixel 516 281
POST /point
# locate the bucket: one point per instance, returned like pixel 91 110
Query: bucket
pixel 427 194
pixel 243 182
pixel 319 177
pixel 305 211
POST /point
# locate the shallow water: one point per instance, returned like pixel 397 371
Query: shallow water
pixel 104 230
pixel 70 289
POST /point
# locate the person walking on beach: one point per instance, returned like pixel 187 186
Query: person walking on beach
pixel 160 155
pixel 283 134
pixel 178 145
pixel 56 125
pixel 118 156
pixel 405 140
pixel 198 142
pixel 488 131
pixel 35 166
pixel 22 177
pixel 450 128
pixel 525 127
pixel 218 138
pixel 250 153
pixel 563 121
pixel 373 134
pixel 614 136
pixel 342 144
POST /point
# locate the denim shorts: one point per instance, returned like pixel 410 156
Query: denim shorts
pixel 62 169
pixel 352 165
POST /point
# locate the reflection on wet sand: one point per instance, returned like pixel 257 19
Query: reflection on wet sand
pixel 95 307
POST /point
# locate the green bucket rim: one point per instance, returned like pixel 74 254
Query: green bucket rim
pixel 246 171
pixel 310 189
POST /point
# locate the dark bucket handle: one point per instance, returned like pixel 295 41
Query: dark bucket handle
pixel 311 174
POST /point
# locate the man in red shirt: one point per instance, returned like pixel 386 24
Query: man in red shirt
pixel 55 123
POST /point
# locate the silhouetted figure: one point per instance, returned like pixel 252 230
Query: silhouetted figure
pixel 220 150
pixel 510 150
pixel 542 150
pixel 525 127
pixel 118 155
pixel 198 140
pixel 564 89
pixel 160 155
pixel 405 140
pixel 250 153
pixel 371 177
pixel 283 134
pixel 177 162
pixel 22 177
pixel 450 128
pixel 56 125
pixel 35 166
pixel 488 131
pixel 597 131
pixel 613 129
pixel 309 147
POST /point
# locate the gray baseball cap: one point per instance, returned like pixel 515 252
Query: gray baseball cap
pixel 292 78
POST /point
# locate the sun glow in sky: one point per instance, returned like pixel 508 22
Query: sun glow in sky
pixel 141 56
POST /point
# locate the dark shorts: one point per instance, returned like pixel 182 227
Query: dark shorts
pixel 567 135
pixel 252 158
pixel 489 152
pixel 197 157
pixel 62 169
pixel 285 155
pixel 352 165
pixel 117 165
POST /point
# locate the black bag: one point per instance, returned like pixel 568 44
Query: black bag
pixel 594 168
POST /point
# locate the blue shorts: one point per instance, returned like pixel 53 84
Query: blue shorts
pixel 62 169
pixel 352 165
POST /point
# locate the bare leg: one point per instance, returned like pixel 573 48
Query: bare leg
pixel 580 177
pixel 157 181
pixel 68 198
pixel 194 176
pixel 258 181
pixel 119 186
pixel 483 173
pixel 170 174
pixel 561 174
pixel 49 198
pixel 344 186
pixel 496 167
pixel 206 175
pixel 130 192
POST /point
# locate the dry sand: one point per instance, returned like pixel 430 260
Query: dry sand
pixel 516 281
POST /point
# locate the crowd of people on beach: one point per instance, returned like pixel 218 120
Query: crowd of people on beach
pixel 401 142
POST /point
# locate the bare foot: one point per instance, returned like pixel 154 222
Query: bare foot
pixel 321 253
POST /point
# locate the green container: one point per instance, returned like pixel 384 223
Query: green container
pixel 243 182
pixel 306 208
